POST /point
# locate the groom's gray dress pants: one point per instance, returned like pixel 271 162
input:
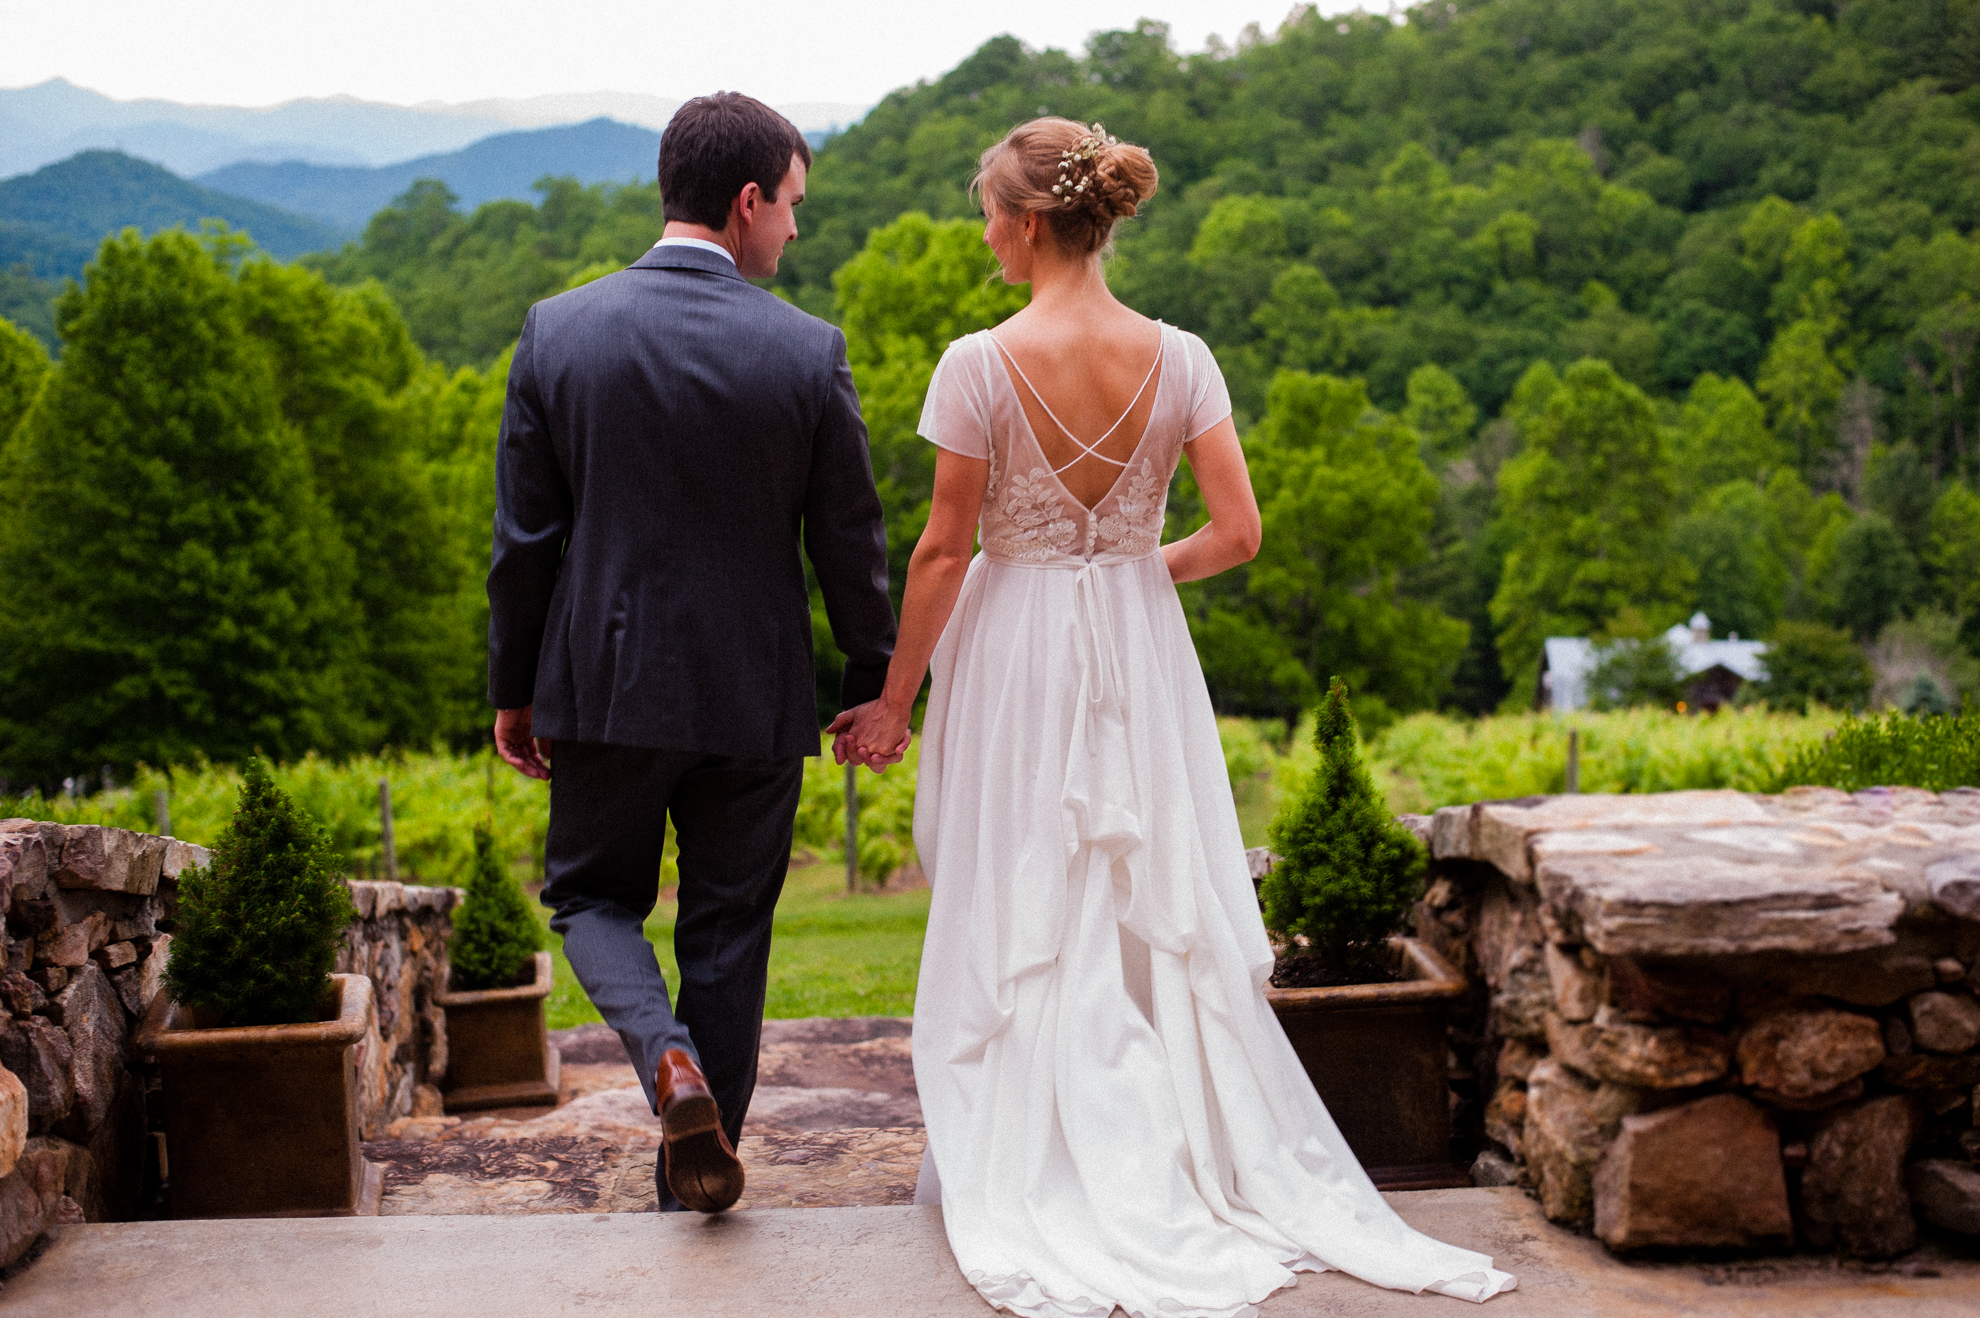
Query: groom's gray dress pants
pixel 732 821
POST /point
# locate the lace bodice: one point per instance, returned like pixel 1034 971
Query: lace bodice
pixel 1029 516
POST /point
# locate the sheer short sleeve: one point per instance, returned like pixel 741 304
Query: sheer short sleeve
pixel 1206 399
pixel 956 413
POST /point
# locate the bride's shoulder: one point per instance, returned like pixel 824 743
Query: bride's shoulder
pixel 1194 350
pixel 968 354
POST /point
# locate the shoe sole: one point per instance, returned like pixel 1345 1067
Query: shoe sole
pixel 701 1171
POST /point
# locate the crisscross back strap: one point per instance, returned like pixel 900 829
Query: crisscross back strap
pixel 1086 450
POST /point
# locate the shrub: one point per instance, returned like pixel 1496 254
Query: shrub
pixel 1636 671
pixel 256 932
pixel 1937 752
pixel 495 933
pixel 1808 663
pixel 1346 873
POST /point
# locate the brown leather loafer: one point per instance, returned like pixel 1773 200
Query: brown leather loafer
pixel 701 1165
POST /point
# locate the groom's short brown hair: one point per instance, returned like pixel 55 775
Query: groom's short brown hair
pixel 713 146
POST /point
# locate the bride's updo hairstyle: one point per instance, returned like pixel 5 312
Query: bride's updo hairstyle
pixel 1077 176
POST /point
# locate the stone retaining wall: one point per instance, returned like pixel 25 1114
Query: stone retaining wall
pixel 1718 1020
pixel 85 919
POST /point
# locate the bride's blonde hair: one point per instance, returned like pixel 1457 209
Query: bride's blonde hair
pixel 1078 177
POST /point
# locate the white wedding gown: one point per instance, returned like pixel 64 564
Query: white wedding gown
pixel 1114 1116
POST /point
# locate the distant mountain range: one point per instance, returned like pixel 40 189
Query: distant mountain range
pixel 53 220
pixel 55 119
pixel 505 165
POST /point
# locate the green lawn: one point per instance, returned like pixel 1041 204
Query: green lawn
pixel 830 955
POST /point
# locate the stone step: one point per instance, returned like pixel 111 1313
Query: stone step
pixel 847 1263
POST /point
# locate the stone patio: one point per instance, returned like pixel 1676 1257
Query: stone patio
pixel 835 1123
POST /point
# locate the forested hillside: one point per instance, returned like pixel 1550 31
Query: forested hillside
pixel 52 220
pixel 1749 220
pixel 1543 317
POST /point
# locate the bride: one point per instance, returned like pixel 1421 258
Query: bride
pixel 1114 1116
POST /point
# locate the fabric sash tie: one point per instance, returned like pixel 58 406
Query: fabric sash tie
pixel 1093 616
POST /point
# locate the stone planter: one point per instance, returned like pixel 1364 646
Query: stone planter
pixel 262 1121
pixel 499 1053
pixel 1376 1054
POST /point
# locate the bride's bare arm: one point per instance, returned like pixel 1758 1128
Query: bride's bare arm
pixel 935 577
pixel 1231 536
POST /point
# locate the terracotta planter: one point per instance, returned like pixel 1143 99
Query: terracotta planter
pixel 499 1053
pixel 1375 1053
pixel 262 1120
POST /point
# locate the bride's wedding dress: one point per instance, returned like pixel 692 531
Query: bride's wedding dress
pixel 1114 1116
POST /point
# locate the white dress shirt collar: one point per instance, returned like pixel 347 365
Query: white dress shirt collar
pixel 702 243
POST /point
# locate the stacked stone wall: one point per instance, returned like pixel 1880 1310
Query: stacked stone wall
pixel 85 920
pixel 1720 1020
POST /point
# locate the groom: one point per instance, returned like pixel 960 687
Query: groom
pixel 671 434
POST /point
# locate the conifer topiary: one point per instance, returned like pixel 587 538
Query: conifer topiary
pixel 495 934
pixel 1346 873
pixel 257 931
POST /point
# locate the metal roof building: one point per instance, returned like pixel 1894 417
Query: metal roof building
pixel 1713 670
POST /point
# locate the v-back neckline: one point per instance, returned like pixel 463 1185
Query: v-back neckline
pixel 998 351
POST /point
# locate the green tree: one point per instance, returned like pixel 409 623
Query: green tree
pixel 916 287
pixel 1589 500
pixel 1872 577
pixel 1440 412
pixel 350 381
pixel 495 934
pixel 23 370
pixel 176 582
pixel 1802 384
pixel 1809 663
pixel 256 933
pixel 1733 541
pixel 1899 484
pixel 1346 502
pixel 1635 665
pixel 1952 558
pixel 1346 873
pixel 1722 436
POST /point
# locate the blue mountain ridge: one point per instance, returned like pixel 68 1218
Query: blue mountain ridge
pixel 505 165
pixel 52 220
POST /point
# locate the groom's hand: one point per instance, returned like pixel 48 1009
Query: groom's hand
pixel 527 754
pixel 862 733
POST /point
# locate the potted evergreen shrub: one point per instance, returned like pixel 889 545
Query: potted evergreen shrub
pixel 499 1052
pixel 256 1040
pixel 1363 1006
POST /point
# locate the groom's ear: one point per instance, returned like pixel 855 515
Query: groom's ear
pixel 746 204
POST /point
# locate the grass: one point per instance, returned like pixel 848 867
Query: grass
pixel 831 953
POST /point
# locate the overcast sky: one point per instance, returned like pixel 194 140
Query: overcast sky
pixel 258 52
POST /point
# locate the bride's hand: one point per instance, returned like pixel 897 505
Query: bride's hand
pixel 871 734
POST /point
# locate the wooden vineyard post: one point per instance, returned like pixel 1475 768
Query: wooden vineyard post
pixel 385 831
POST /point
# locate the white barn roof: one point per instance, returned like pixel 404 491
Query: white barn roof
pixel 1568 661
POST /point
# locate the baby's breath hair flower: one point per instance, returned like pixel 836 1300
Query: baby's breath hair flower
pixel 1081 152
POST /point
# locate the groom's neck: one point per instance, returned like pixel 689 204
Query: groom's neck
pixel 728 237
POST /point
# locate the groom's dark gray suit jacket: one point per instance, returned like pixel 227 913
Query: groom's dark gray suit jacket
pixel 671 433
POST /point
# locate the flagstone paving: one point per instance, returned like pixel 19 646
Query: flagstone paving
pixel 835 1123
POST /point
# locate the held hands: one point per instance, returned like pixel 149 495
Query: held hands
pixel 870 734
pixel 528 755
